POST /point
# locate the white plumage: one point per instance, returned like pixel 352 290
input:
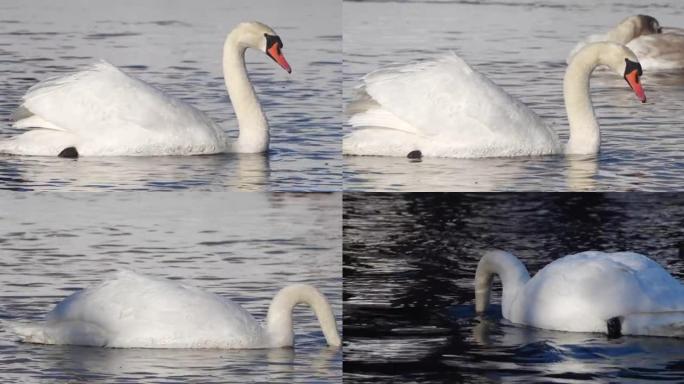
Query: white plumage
pixel 658 48
pixel 129 310
pixel 444 108
pixel 582 292
pixel 102 111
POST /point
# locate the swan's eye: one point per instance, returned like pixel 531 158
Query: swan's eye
pixel 632 66
pixel 272 40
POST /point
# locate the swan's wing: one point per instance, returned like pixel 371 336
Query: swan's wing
pixel 659 51
pixel 447 97
pixel 102 101
pixel 135 310
pixel 615 284
pixel 582 292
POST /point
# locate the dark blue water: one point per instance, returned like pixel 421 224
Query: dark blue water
pixel 409 264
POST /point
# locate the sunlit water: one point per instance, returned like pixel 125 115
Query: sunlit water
pixel 177 46
pixel 241 246
pixel 409 264
pixel 522 46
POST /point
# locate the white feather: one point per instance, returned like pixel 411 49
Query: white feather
pixel 444 108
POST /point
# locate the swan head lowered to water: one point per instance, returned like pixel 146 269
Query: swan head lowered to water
pixel 621 293
pixel 585 135
pixel 129 310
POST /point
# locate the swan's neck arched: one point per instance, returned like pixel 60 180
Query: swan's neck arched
pixel 585 136
pixel 510 270
pixel 279 319
pixel 624 32
pixel 253 137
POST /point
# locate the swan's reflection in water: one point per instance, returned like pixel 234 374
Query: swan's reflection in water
pixel 576 172
pixel 182 365
pixel 568 354
pixel 248 172
pixel 581 171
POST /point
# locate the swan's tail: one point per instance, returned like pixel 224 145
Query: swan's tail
pixel 37 142
pixel 668 324
pixel 27 332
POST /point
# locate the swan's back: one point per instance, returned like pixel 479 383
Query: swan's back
pixel 659 51
pixel 447 109
pixel 132 310
pixel 581 292
pixel 103 111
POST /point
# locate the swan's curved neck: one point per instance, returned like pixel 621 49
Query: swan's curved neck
pixel 510 270
pixel 279 318
pixel 252 122
pixel 585 136
pixel 624 32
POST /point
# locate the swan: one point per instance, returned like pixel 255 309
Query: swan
pixel 444 108
pixel 130 310
pixel 621 293
pixel 656 47
pixel 102 111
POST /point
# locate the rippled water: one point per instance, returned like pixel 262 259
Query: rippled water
pixel 522 46
pixel 241 246
pixel 409 263
pixel 177 46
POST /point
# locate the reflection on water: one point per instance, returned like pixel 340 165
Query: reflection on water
pixel 247 172
pixel 409 264
pixel 243 246
pixel 176 46
pixel 640 143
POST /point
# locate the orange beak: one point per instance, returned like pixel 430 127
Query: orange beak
pixel 633 81
pixel 275 53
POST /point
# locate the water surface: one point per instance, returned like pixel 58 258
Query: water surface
pixel 177 46
pixel 243 246
pixel 522 46
pixel 409 264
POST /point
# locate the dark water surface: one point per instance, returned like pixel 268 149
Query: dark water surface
pixel 243 246
pixel 409 265
pixel 177 46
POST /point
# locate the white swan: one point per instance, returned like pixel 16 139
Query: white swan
pixel 102 111
pixel 656 47
pixel 130 310
pixel 444 108
pixel 614 293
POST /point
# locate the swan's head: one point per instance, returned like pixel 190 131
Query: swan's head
pixel 622 61
pixel 643 25
pixel 263 38
pixel 631 74
pixel 510 270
